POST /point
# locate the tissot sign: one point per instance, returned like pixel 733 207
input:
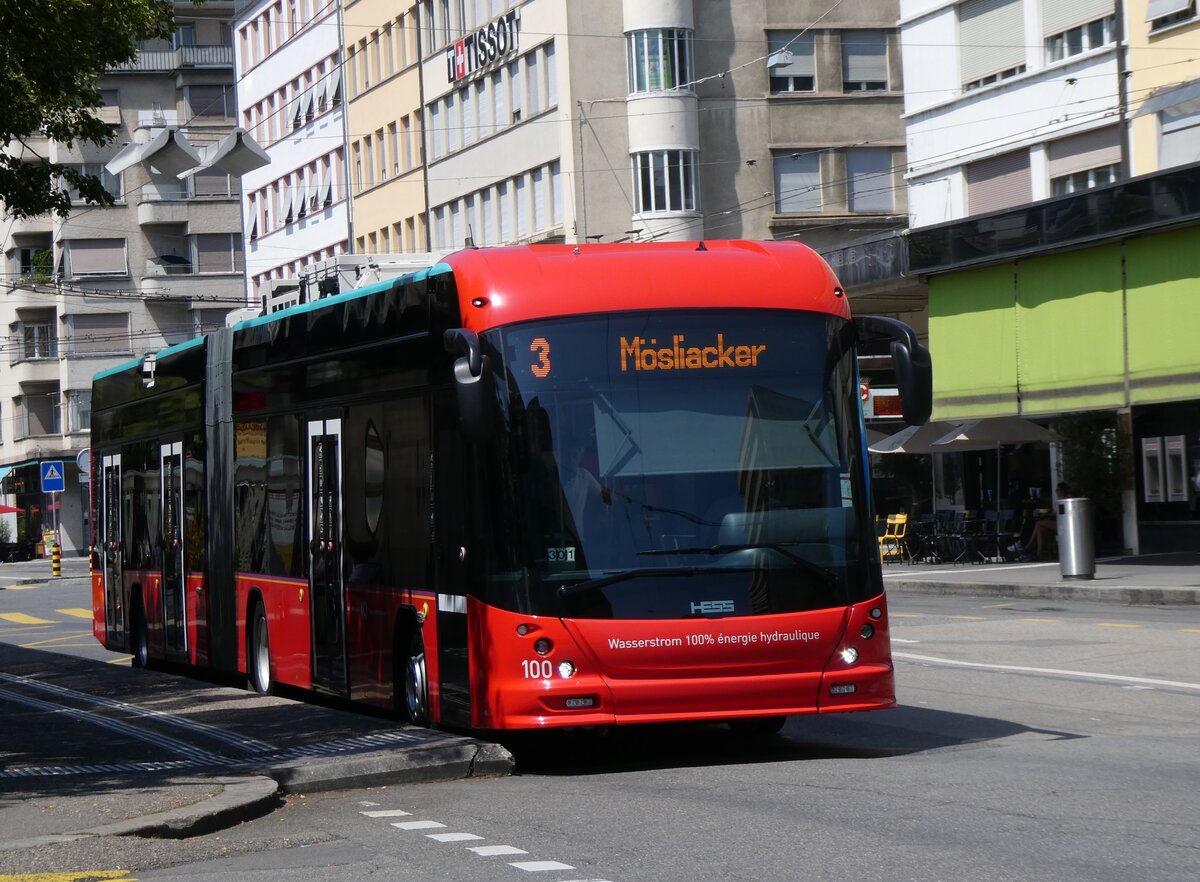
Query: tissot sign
pixel 477 51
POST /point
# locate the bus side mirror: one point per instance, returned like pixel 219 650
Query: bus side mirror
pixel 914 368
pixel 472 382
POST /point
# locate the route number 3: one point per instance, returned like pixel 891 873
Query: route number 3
pixel 541 346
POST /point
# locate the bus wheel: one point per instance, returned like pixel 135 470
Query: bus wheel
pixel 258 662
pixel 141 639
pixel 757 727
pixel 416 684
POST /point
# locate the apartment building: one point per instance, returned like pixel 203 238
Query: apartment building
pixel 107 284
pixel 290 88
pixel 550 121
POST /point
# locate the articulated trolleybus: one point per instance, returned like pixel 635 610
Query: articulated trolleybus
pixel 528 487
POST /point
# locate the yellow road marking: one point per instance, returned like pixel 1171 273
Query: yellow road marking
pixel 1116 625
pixel 23 619
pixel 996 606
pixel 20 588
pixel 906 615
pixel 53 640
pixel 76 876
pixel 969 618
pixel 1039 620
pixel 79 612
pixel 1189 630
pixel 124 660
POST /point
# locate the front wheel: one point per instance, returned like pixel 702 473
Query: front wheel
pixel 258 662
pixel 416 684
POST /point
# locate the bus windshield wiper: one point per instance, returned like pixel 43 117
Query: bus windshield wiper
pixel 804 563
pixel 624 575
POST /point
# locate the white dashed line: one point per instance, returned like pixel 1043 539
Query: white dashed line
pixel 418 825
pixel 452 837
pixel 387 813
pixel 540 866
pixel 493 850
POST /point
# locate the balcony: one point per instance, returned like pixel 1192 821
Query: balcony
pixel 42 225
pixel 167 60
pixel 202 290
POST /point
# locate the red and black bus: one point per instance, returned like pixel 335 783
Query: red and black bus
pixel 538 486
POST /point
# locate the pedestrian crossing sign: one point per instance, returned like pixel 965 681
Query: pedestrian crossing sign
pixel 52 477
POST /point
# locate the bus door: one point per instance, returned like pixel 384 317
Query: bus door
pixel 110 548
pixel 173 582
pixel 326 590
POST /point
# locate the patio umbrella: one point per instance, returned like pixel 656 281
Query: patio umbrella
pixel 917 439
pixel 994 432
pixel 10 509
pixel 914 439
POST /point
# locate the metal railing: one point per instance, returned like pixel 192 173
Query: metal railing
pixel 174 59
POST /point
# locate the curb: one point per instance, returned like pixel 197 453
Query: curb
pixel 239 800
pixel 442 762
pixel 1128 595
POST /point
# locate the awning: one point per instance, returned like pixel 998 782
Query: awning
pixel 170 152
pixel 237 153
pixel 1156 9
pixel 1183 98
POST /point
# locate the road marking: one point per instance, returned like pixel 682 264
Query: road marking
pixel 23 587
pixel 969 618
pixel 78 612
pixel 1044 621
pixel 493 850
pixel 1021 669
pixel 540 866
pixel 897 615
pixel 1189 630
pixel 1005 568
pixel 996 606
pixel 902 640
pixel 1116 625
pixel 418 825
pixel 77 876
pixel 50 641
pixel 387 813
pixel 452 837
pixel 23 619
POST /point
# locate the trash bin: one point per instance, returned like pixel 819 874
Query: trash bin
pixel 1076 543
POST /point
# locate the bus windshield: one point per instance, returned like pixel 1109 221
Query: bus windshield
pixel 672 465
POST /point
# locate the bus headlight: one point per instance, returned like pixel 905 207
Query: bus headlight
pixel 566 669
pixel 849 655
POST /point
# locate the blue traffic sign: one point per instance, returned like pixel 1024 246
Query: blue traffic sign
pixel 52 477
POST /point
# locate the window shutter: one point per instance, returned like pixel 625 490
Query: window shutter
pixel 1062 15
pixel 100 332
pixel 98 257
pixel 992 35
pixel 1179 139
pixel 870 182
pixel 998 183
pixel 864 56
pixel 798 183
pixel 213 253
pixel 1163 8
pixel 1085 151
pixel 801 48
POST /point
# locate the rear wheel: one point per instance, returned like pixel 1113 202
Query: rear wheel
pixel 258 660
pixel 416 684
pixel 140 637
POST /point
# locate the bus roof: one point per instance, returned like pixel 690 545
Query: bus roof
pixel 499 286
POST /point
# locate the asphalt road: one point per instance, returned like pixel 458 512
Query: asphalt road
pixel 1035 741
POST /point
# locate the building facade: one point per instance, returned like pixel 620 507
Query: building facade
pixel 1054 198
pixel 108 284
pixel 290 86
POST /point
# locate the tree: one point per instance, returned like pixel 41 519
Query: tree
pixel 52 55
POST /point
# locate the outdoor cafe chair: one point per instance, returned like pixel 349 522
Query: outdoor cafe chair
pixel 892 543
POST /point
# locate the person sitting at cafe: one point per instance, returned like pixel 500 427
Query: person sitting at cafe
pixel 1045 529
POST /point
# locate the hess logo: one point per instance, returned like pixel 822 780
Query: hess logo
pixel 711 607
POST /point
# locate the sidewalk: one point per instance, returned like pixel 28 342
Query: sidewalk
pixel 1144 579
pixel 147 753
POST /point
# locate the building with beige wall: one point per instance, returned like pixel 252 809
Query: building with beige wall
pixel 383 120
pixel 1163 83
